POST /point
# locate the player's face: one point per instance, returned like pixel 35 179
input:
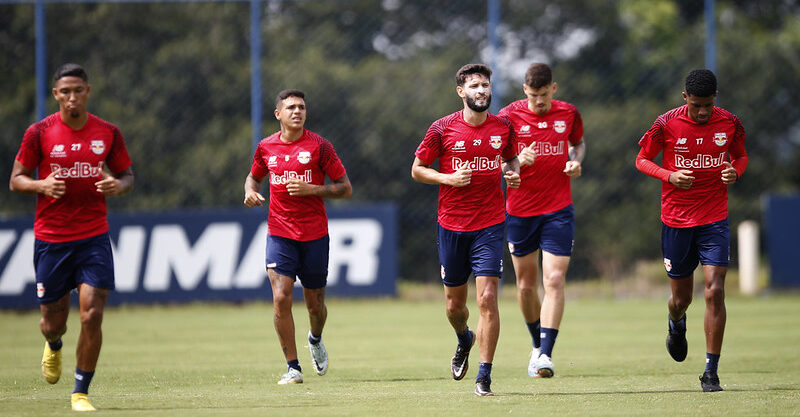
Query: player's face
pixel 72 93
pixel 292 113
pixel 700 108
pixel 540 100
pixel 476 92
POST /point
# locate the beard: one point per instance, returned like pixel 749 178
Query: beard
pixel 75 114
pixel 478 108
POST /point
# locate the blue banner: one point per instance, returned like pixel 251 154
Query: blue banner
pixel 187 256
pixel 783 239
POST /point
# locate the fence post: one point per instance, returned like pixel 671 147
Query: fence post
pixel 255 71
pixel 748 257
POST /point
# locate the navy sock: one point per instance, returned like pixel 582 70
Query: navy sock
pixel 55 345
pixel 548 341
pixel 484 371
pixel 82 380
pixel 294 364
pixel 535 328
pixel 712 361
pixel 314 339
pixel 465 338
pixel 677 326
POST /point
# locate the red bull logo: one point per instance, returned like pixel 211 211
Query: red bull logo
pixel 79 170
pixel 700 161
pixel 287 175
pixel 479 163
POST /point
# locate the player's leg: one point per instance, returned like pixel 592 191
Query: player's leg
pixel 314 277
pixel 53 325
pixel 714 243
pixel 454 260
pixel 554 272
pixel 486 258
pixel 283 262
pixel 680 259
pixel 54 281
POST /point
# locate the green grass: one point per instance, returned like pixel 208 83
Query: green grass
pixel 391 356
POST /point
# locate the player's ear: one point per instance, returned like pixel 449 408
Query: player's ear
pixel 277 114
pixel 555 87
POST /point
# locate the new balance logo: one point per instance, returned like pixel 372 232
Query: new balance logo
pixel 79 170
pixel 700 161
pixel 287 175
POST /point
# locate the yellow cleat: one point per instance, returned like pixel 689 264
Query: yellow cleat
pixel 80 402
pixel 51 364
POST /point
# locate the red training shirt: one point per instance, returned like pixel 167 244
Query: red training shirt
pixel 79 157
pixel 308 158
pixel 701 148
pixel 482 149
pixel 545 188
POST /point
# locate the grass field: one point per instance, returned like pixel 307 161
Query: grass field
pixel 391 357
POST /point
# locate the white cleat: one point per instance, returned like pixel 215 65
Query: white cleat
pixel 532 363
pixel 544 366
pixel 319 357
pixel 292 377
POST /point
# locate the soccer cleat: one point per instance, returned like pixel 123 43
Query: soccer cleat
pixel 676 344
pixel 292 377
pixel 482 387
pixel 544 366
pixel 51 364
pixel 532 363
pixel 709 381
pixel 319 357
pixel 80 402
pixel 460 364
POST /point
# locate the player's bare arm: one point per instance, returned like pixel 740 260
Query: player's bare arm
pixel 340 188
pixel 577 152
pixel 511 172
pixel 427 175
pixel 528 155
pixel 22 182
pixel 120 183
pixel 252 196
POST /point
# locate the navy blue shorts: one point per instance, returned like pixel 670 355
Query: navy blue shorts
pixel 552 232
pixel 683 248
pixel 60 267
pixel 479 252
pixel 307 261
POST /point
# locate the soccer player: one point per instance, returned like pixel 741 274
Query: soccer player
pixel 540 212
pixel 72 150
pixel 697 139
pixel 475 149
pixel 297 161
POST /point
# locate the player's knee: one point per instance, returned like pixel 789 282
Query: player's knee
pixel 316 309
pixel 715 294
pixel 554 282
pixel 527 292
pixel 92 317
pixel 487 301
pixel 682 301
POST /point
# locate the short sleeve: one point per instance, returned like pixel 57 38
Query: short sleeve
pixel 259 169
pixel 431 146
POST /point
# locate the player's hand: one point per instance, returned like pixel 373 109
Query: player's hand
pixel 729 174
pixel 299 188
pixel 527 156
pixel 109 185
pixel 512 178
pixel 53 187
pixel 460 178
pixel 573 169
pixel 681 179
pixel 253 198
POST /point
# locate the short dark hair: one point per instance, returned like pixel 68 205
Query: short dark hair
pixel 70 70
pixel 283 95
pixel 701 83
pixel 469 69
pixel 538 75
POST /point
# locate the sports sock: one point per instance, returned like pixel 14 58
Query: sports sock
pixel 465 338
pixel 712 361
pixel 677 326
pixel 294 364
pixel 314 339
pixel 534 329
pixel 548 341
pixel 55 345
pixel 484 371
pixel 82 380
